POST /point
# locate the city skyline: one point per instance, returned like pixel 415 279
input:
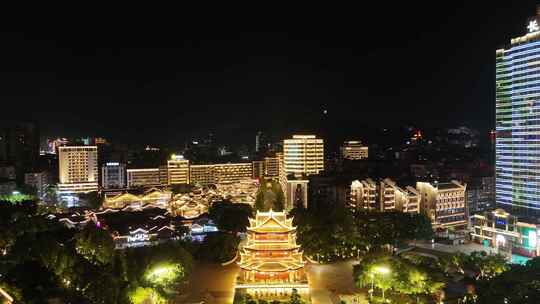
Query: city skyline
pixel 239 81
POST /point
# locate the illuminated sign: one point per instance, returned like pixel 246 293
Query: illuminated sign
pixel 533 26
pixel 113 164
pixel 139 237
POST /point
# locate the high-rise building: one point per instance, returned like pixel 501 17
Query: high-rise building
pixel 271 166
pixel 39 181
pixel 78 169
pixel 354 150
pixel 147 177
pixel 518 120
pixel 444 203
pixel 178 170
pixel 113 175
pixel 303 155
pixel 258 168
pixel 220 173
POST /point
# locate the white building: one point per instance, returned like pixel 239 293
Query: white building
pixel 78 169
pixel 394 198
pixel 444 203
pixel 364 194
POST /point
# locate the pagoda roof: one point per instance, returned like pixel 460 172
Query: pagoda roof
pixel 272 266
pixel 271 222
pixel 271 246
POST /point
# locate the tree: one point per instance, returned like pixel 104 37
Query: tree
pixel 232 217
pixel 518 284
pixel 95 244
pixel 91 199
pixel 218 247
pixel 269 196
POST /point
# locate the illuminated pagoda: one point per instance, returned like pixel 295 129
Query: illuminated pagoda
pixel 271 262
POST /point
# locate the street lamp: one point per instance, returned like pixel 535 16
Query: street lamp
pixel 382 270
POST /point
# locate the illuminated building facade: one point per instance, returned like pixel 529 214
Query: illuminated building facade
pixel 271 166
pixel 394 198
pixel 364 194
pixel 271 262
pixel 517 155
pixel 444 203
pixel 78 169
pixel 303 155
pixel 503 231
pixel 178 170
pixel 113 175
pixel 147 177
pixel 220 173
pixel 354 150
pixel 258 168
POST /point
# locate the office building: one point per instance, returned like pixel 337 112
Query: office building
pixel 40 181
pixel 258 168
pixel 177 170
pixel 444 203
pixel 261 142
pixel 78 169
pixel 113 175
pixel 303 155
pixel 518 121
pixel 505 232
pixel 481 194
pixel 147 177
pixel 220 173
pixel 354 150
pixel 271 166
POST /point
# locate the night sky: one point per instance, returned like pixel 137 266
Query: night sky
pixel 168 81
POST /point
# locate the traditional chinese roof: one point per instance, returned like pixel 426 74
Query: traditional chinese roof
pixel 271 222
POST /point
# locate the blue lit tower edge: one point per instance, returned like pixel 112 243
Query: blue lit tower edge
pixel 517 113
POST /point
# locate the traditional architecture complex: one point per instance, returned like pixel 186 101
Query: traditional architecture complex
pixel 271 262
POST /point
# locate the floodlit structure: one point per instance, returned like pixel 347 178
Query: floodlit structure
pixel 364 194
pixel 518 120
pixel 444 203
pixel 271 262
pixel 155 197
pixel 271 166
pixel 303 155
pixel 78 169
pixel 178 170
pixel 220 173
pixel 354 150
pixel 147 177
pixel 503 231
pixel 394 198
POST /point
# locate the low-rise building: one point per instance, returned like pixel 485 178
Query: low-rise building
pixel 444 203
pixel 354 150
pixel 220 173
pixel 505 232
pixel 364 195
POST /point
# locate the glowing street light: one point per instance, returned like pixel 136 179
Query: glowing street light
pixel 382 270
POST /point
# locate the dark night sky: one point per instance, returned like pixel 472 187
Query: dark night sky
pixel 419 64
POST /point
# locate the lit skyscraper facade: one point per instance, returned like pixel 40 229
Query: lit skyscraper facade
pixel 517 156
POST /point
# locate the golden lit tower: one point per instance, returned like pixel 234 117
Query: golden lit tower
pixel 271 262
